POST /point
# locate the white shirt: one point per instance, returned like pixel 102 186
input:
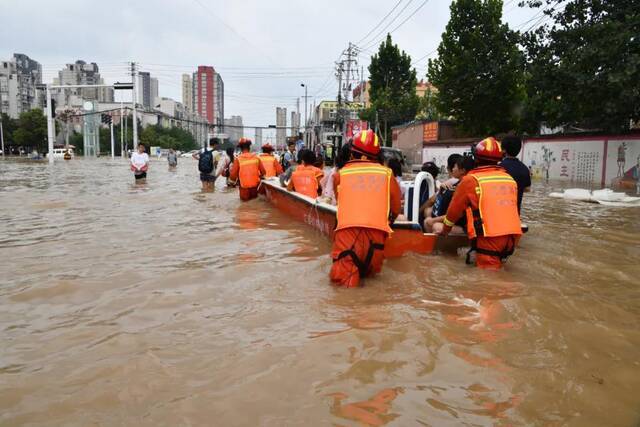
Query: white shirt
pixel 139 160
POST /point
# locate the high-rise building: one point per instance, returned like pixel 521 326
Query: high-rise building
pixel 281 128
pixel 147 89
pixel 208 95
pixel 154 95
pixel 187 92
pixel 233 128
pixel 258 140
pixel 295 123
pixel 18 80
pixel 81 73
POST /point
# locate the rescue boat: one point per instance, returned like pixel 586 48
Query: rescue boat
pixel 407 236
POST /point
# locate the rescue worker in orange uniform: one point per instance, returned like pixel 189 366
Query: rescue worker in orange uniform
pixel 488 196
pixel 248 169
pixel 368 200
pixel 271 166
pixel 306 178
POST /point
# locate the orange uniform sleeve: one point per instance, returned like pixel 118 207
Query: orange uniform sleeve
pixel 463 197
pixel 396 198
pixel 278 167
pixel 336 183
pixel 261 168
pixel 235 170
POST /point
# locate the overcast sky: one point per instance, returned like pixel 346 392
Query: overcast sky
pixel 263 49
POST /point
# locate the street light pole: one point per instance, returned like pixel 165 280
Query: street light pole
pixel 50 126
pixel 305 112
pixel 2 137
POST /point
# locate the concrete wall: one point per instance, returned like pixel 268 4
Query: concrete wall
pixel 607 161
pixel 409 140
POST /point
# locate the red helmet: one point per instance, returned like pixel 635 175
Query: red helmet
pixel 267 147
pixel 367 143
pixel 488 149
pixel 244 142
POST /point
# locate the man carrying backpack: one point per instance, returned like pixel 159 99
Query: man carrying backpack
pixel 208 160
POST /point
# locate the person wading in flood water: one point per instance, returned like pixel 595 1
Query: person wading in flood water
pixel 208 160
pixel 140 164
pixel 368 198
pixel 271 166
pixel 489 197
pixel 248 169
pixel 172 159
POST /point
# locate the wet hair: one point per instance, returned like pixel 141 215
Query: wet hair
pixel 141 144
pixel 432 168
pixel 467 163
pixel 307 156
pixel 395 166
pixel 343 156
pixel 454 159
pixel 511 145
pixel 212 142
pixel 231 152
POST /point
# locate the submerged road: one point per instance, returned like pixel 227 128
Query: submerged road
pixel 159 305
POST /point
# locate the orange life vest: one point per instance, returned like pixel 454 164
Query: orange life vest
pixel 305 180
pixel 268 164
pixel 249 170
pixel 497 213
pixel 364 196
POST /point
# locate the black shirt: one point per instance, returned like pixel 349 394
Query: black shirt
pixel 520 174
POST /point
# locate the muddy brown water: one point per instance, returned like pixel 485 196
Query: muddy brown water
pixel 159 305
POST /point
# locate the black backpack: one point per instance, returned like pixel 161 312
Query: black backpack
pixel 205 164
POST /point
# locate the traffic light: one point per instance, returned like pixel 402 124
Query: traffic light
pixel 106 119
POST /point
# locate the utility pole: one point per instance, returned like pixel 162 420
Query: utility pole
pixel 113 154
pixel 134 75
pixel 122 148
pixel 2 137
pixel 50 125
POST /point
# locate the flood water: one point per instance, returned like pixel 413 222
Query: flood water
pixel 158 305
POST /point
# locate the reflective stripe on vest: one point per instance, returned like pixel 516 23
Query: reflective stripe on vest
pixel 269 167
pixel 305 181
pixel 497 213
pixel 249 170
pixel 364 196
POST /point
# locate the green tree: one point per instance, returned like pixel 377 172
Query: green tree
pixel 9 126
pixel 32 130
pixel 393 89
pixel 479 69
pixel 428 109
pixel 175 138
pixel 583 67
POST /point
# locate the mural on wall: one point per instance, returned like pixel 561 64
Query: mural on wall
pixel 575 161
pixel 623 164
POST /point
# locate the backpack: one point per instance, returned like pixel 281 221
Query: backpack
pixel 205 164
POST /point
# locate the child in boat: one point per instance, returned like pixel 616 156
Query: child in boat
pixel 343 156
pixel 437 211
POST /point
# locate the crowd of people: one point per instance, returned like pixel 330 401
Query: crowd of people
pixel 481 197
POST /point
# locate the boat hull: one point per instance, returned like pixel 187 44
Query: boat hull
pixel 406 236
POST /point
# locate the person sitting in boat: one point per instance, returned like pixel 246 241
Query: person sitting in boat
pixel 248 169
pixel 342 157
pixel 489 197
pixel 286 176
pixel 424 196
pixel 458 167
pixel 520 173
pixel 368 199
pixel 306 178
pixel 271 166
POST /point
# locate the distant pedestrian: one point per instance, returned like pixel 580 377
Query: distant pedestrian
pixel 172 158
pixel 140 164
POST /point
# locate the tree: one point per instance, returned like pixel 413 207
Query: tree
pixel 428 109
pixel 176 138
pixel 393 88
pixel 583 69
pixel 32 130
pixel 9 125
pixel 479 69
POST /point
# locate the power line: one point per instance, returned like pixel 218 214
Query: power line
pixel 379 23
pixel 403 22
pixel 369 44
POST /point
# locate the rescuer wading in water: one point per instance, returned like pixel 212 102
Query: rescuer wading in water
pixel 368 199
